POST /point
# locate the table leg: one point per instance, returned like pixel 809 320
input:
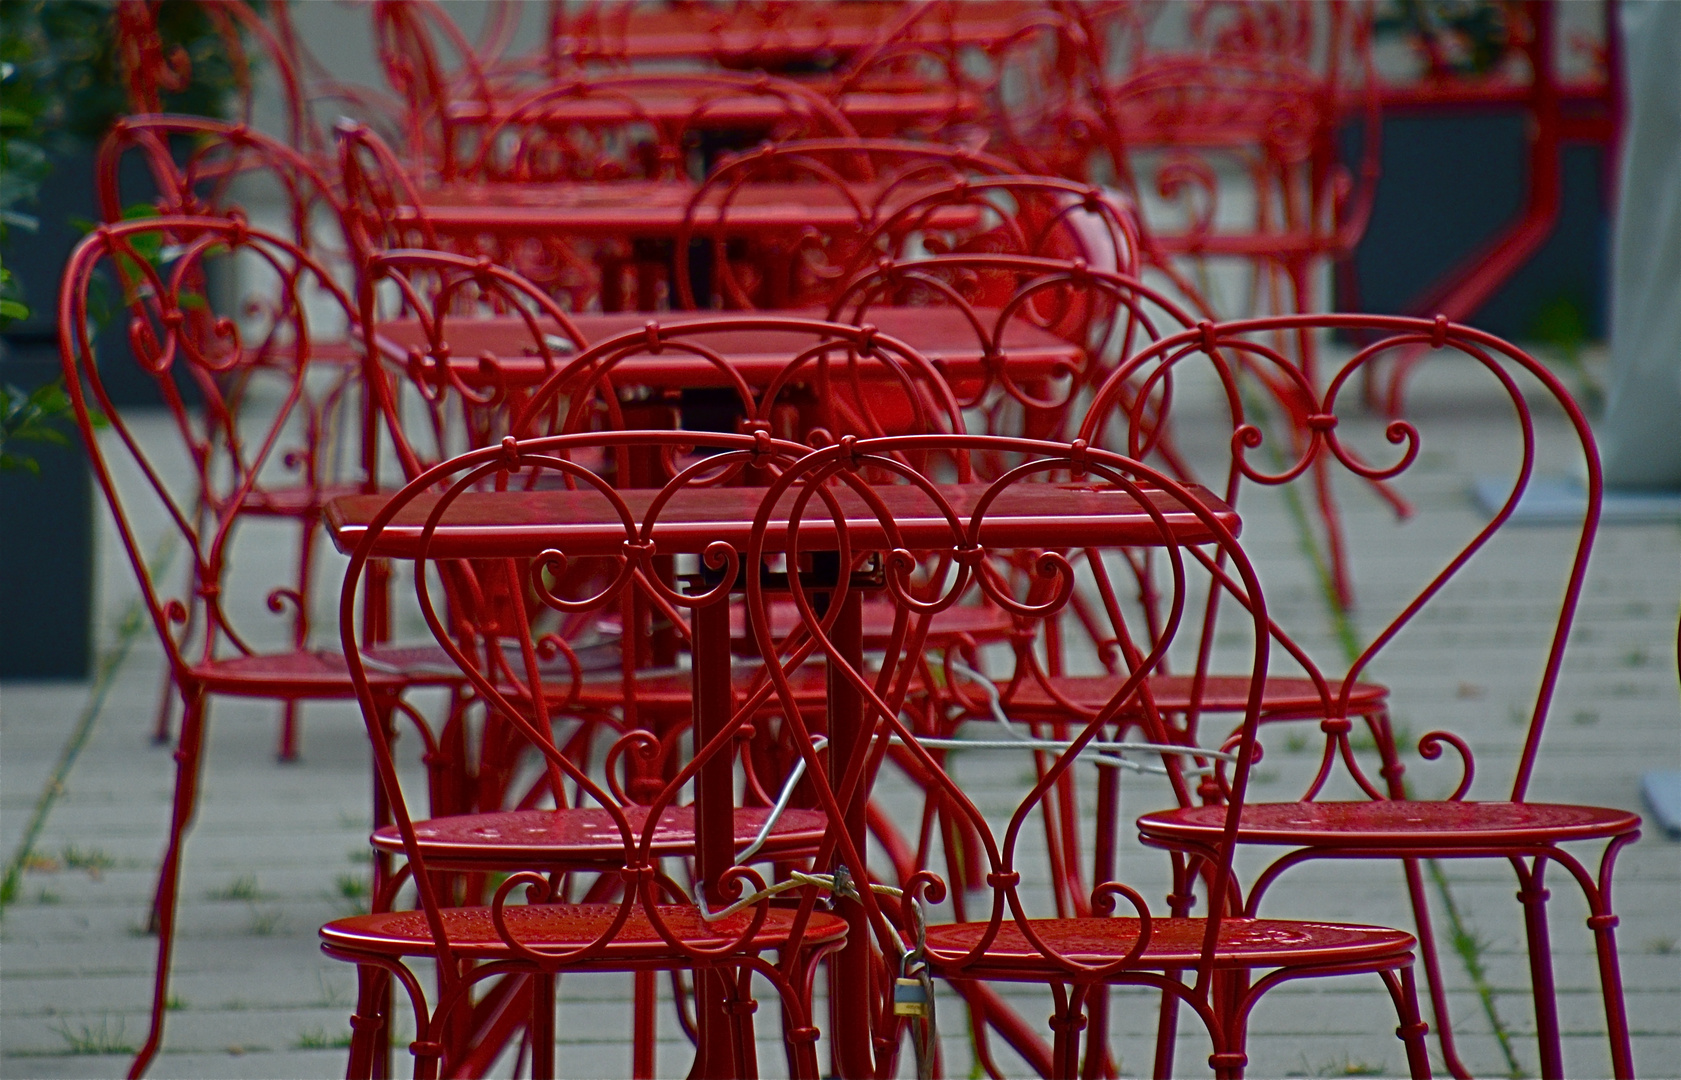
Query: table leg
pixel 853 1054
pixel 714 821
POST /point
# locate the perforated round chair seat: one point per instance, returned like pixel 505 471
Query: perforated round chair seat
pixel 983 622
pixel 1394 823
pixel 587 835
pixel 301 501
pixel 1174 943
pixel 559 927
pixel 671 688
pixel 287 675
pixel 1282 698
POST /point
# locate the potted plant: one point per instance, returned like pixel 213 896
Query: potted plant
pixel 61 86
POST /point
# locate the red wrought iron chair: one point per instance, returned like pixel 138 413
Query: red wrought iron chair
pixel 207 168
pixel 189 492
pixel 935 544
pixel 618 822
pixel 1348 810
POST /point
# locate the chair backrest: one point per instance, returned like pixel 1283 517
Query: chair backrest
pixel 1264 89
pixel 1017 83
pixel 231 312
pixel 1288 439
pixel 382 208
pixel 922 546
pixel 517 674
pixel 435 325
pixel 629 126
pixel 859 178
pixel 1019 307
pixel 205 167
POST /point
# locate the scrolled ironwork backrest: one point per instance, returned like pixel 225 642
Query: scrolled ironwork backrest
pixel 827 380
pixel 541 138
pixel 420 310
pixel 205 167
pixel 1106 316
pixel 826 504
pixel 511 674
pixel 1263 86
pixel 867 176
pixel 254 428
pixel 1285 432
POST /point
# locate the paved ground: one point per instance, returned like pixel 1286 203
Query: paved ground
pixel 280 849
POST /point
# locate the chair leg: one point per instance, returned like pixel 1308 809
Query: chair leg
pixel 1426 934
pixel 188 758
pixel 643 1032
pixel 1413 1029
pixel 287 752
pixel 542 1026
pixel 1533 895
pixel 1602 921
pixel 367 1023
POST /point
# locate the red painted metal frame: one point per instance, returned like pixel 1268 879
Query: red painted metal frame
pixel 175 331
pixel 1392 825
pixel 927 570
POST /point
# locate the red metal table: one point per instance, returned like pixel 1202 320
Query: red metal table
pixel 871 112
pixel 648 208
pixel 773 34
pixel 525 524
pixel 942 334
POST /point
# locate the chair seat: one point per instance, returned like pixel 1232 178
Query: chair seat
pixel 571 926
pixel 587 835
pixel 1394 823
pixel 287 675
pixel 1283 698
pixel 673 688
pixel 1173 943
pixel 983 622
pixel 300 501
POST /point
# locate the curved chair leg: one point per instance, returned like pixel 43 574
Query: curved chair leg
pixel 1413 1029
pixel 1602 920
pixel 188 758
pixel 1426 934
pixel 1533 894
pixel 542 1026
pixel 367 1023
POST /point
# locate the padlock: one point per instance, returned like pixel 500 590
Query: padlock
pixel 910 998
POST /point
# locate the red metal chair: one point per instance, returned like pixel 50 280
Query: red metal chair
pixel 1385 820
pixel 203 167
pixel 1079 952
pixel 195 497
pixel 621 823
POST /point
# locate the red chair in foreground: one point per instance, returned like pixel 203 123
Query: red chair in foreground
pixel 1348 811
pixel 590 855
pixel 934 549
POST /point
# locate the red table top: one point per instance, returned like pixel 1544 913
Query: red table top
pixel 941 334
pixel 524 524
pixel 867 109
pixel 653 207
pixel 791 31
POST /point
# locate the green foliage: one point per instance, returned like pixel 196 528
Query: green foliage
pixel 1457 37
pixel 31 417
